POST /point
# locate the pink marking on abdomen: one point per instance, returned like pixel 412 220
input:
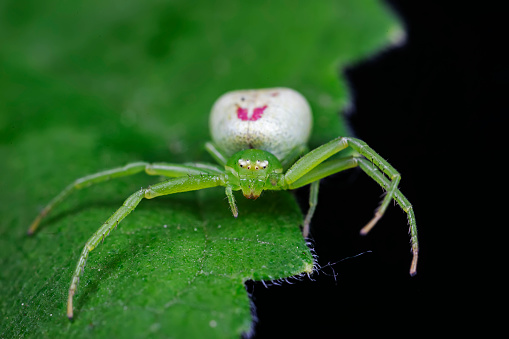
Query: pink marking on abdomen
pixel 257 113
pixel 242 114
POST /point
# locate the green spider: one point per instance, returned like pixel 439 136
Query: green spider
pixel 258 136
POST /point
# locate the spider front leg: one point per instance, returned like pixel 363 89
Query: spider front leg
pixel 402 201
pixel 312 167
pixel 174 185
pixel 394 176
pixel 164 169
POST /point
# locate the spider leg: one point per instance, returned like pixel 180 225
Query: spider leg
pixel 313 201
pixel 362 148
pixel 164 169
pixel 231 201
pixel 312 167
pixel 174 185
pixel 293 156
pixel 402 201
pixel 313 177
pixel 216 153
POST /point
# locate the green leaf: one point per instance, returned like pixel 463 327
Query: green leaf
pixel 93 85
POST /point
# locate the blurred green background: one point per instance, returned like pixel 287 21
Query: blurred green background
pixel 91 85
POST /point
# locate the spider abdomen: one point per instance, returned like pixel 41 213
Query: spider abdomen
pixel 275 120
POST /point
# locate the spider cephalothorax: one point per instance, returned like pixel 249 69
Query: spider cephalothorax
pixel 254 171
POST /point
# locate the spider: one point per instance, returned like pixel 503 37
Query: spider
pixel 259 140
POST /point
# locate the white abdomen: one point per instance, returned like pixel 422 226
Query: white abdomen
pixel 274 120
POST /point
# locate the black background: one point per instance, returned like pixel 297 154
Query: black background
pixel 434 108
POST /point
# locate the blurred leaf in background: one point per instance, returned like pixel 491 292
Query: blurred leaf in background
pixel 86 86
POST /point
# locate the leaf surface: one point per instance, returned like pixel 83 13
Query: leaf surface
pixel 86 86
